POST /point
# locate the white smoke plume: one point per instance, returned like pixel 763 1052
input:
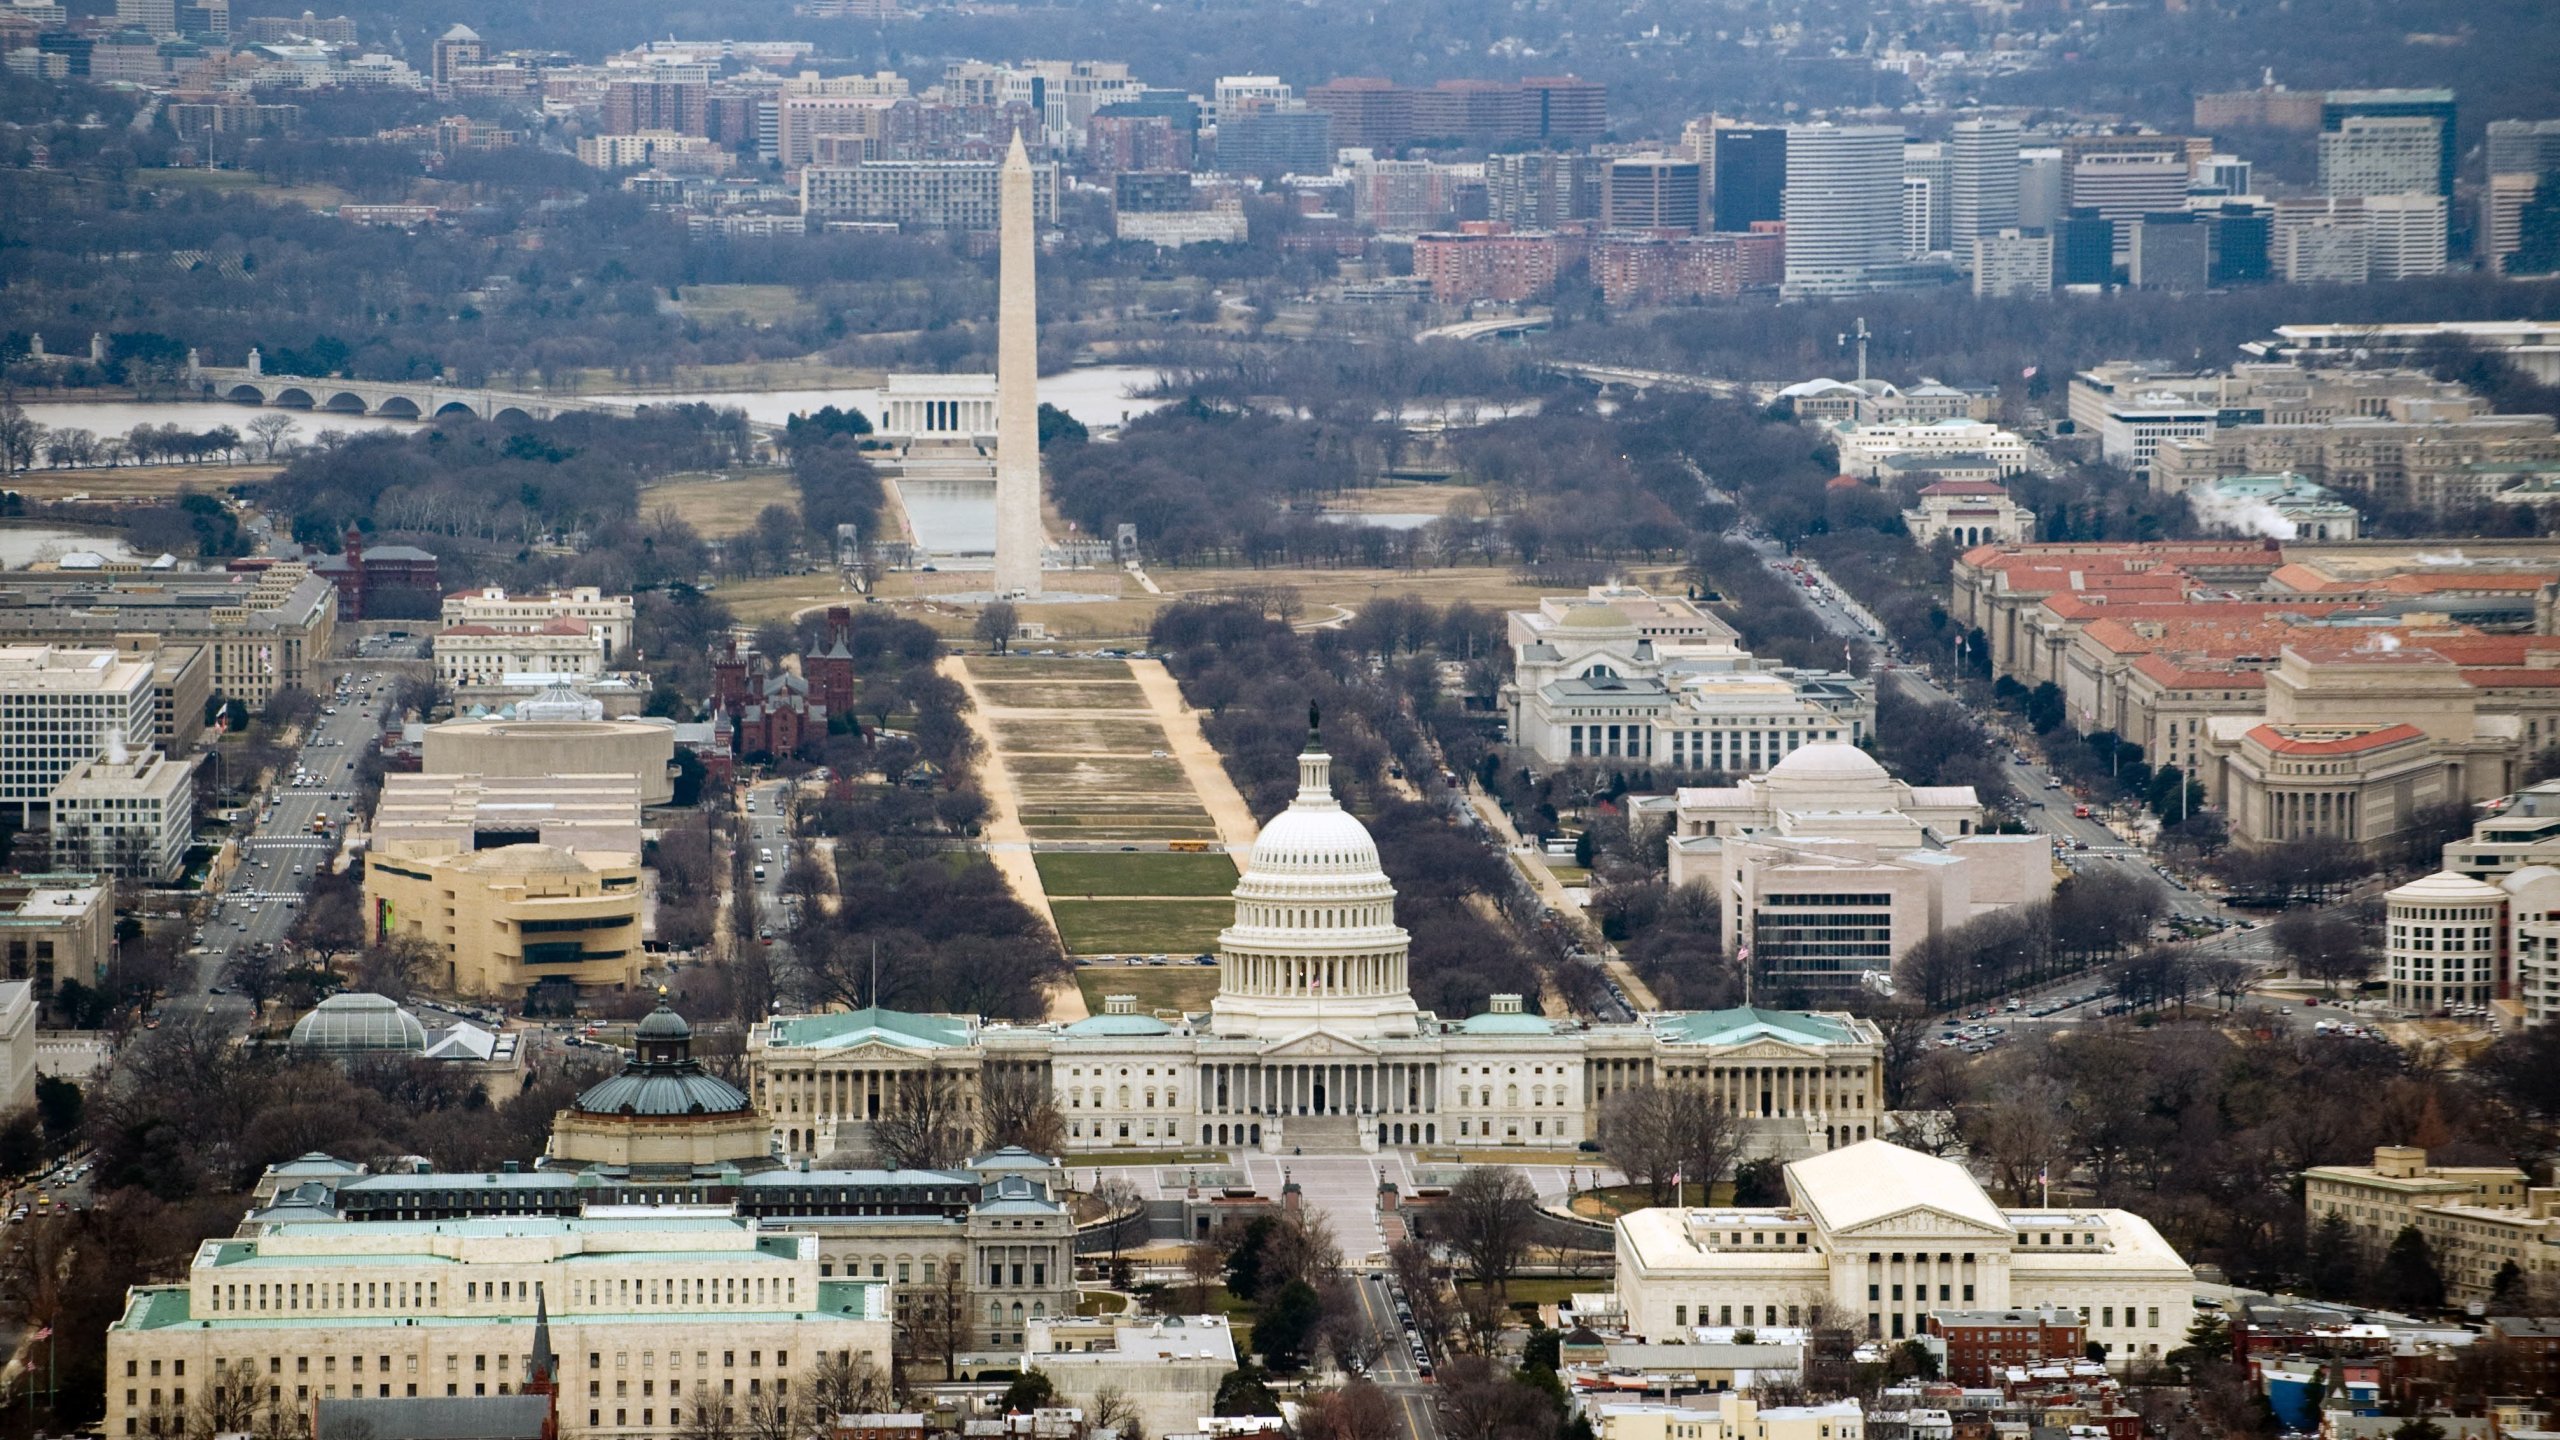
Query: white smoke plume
pixel 2218 511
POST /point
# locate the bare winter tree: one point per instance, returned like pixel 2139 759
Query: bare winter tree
pixel 1019 1109
pixel 937 1327
pixel 1114 1409
pixel 1636 1135
pixel 927 1127
pixel 1487 1221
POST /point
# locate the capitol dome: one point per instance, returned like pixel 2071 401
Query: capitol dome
pixel 1315 942
pixel 1829 763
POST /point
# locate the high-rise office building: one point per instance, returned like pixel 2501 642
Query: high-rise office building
pixel 2085 250
pixel 2040 204
pixel 2240 236
pixel 1919 195
pixel 1297 140
pixel 1569 108
pixel 2170 251
pixel 2223 175
pixel 2340 106
pixel 2381 155
pixel 1750 176
pixel 2523 147
pixel 1368 112
pixel 2503 202
pixel 1843 206
pixel 1982 180
pixel 1542 189
pixel 2011 262
pixel 1653 192
pixel 1927 162
pixel 2125 185
pixel 2406 235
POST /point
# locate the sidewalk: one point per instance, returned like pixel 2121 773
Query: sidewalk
pixel 1200 764
pixel 1006 843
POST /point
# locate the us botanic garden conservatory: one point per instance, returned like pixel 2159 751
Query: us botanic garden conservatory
pixel 1314 1043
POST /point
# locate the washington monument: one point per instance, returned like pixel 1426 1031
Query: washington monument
pixel 1019 540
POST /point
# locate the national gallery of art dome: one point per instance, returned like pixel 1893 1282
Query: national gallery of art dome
pixel 1314 1044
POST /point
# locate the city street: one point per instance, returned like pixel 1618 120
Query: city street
pixel 1394 1371
pixel 278 850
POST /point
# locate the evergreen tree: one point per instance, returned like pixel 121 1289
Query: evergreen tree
pixel 1287 1325
pixel 2506 1290
pixel 2408 1279
pixel 2334 1260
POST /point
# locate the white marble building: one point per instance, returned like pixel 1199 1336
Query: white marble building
pixel 1878 1237
pixel 1618 673
pixel 1314 1042
pixel 1827 868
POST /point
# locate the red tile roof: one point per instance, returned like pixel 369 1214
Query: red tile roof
pixel 2282 744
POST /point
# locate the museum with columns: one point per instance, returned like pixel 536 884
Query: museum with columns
pixel 1313 1043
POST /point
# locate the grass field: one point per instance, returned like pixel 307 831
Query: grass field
pixel 1104 695
pixel 1115 735
pixel 1141 927
pixel 758 305
pixel 1117 774
pixel 717 506
pixel 142 482
pixel 1187 988
pixel 233 181
pixel 996 669
pixel 774 597
pixel 1141 874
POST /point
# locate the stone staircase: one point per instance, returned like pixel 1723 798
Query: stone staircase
pixel 1322 1135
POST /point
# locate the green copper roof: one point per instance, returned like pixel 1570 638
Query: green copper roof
pixel 157 1307
pixel 844 1029
pixel 1514 1024
pixel 1745 1023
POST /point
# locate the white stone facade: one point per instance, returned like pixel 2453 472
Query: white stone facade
pixel 61 708
pixel 609 618
pixel 131 816
pixel 649 1312
pixel 482 656
pixel 1878 1237
pixel 1864 449
pixel 1314 1042
pixel 1622 674
pixel 1827 868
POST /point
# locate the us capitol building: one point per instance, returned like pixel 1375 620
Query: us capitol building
pixel 1314 1044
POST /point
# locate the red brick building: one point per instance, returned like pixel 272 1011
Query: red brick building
pixel 385 582
pixel 1485 260
pixel 1982 1344
pixel 631 106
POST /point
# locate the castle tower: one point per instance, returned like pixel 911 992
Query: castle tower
pixel 1019 539
pixel 1315 944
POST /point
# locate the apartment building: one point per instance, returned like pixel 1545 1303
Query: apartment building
pixel 2400 1187
pixel 921 194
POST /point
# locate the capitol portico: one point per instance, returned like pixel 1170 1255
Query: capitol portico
pixel 1314 1043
